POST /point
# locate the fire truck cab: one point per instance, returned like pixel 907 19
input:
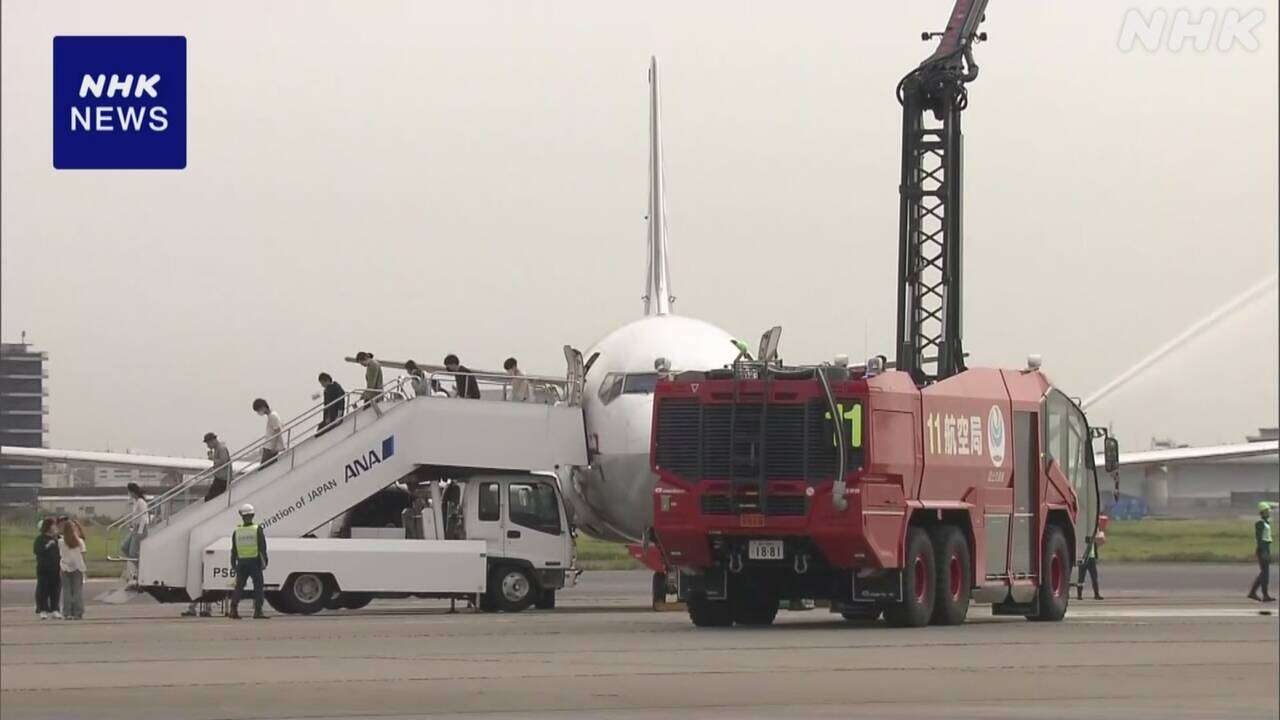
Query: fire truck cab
pixel 860 488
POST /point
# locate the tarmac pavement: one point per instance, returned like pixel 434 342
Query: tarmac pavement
pixel 1170 641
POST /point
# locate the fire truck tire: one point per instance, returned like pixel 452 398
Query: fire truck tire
pixel 1055 577
pixel 511 588
pixel 952 562
pixel 918 578
pixel 709 613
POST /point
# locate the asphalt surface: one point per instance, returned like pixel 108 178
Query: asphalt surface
pixel 1170 641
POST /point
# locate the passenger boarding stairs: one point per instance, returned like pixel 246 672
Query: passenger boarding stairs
pixel 319 476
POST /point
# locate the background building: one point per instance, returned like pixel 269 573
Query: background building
pixel 23 392
pixel 1201 488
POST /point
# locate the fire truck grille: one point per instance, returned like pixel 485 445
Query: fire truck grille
pixel 716 505
pixel 786 505
pixel 776 506
pixel 746 442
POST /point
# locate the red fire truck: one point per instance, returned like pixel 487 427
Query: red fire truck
pixel 909 488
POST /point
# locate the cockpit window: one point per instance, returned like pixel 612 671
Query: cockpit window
pixel 640 383
pixel 616 384
pixel 611 387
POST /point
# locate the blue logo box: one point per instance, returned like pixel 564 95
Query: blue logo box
pixel 119 103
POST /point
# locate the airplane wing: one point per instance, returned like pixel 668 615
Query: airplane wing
pixel 188 466
pixel 1209 452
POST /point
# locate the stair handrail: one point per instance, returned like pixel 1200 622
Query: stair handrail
pixel 352 398
pixel 554 387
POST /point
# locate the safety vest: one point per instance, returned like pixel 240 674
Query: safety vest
pixel 1266 531
pixel 246 542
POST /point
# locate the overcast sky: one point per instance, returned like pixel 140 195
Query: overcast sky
pixel 418 178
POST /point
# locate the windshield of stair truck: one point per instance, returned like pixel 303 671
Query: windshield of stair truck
pixel 534 505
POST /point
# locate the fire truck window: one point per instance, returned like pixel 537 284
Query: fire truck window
pixel 611 387
pixel 1077 447
pixel 1066 437
pixel 640 383
pixel 490 502
pixel 534 505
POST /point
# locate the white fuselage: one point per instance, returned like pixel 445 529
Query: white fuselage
pixel 612 497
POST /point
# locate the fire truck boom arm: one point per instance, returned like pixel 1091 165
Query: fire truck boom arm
pixel 929 344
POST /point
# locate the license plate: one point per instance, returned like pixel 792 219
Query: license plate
pixel 764 550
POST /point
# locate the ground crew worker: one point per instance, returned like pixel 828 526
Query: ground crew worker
pixel 1262 538
pixel 249 558
pixel 1090 565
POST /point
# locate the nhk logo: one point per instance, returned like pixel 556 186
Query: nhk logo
pixel 119 102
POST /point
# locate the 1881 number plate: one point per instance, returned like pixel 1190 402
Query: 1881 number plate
pixel 764 550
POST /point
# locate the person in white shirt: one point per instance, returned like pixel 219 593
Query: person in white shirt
pixel 71 562
pixel 520 391
pixel 274 443
pixel 132 543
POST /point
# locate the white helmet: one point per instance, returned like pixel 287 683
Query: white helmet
pixel 246 509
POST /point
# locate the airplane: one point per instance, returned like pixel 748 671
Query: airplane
pixel 611 497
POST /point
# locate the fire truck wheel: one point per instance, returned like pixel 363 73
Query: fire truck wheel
pixel 1055 576
pixel 511 588
pixel 708 613
pixel 918 576
pixel 951 603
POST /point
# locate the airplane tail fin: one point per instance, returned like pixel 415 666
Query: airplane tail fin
pixel 657 291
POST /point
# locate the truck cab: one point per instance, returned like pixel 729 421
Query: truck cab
pixel 522 520
pixel 499 539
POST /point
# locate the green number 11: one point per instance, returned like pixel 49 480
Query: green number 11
pixel 854 416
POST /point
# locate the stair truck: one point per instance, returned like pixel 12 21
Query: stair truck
pixel 485 521
pixel 909 488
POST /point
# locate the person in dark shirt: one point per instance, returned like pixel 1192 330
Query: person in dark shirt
pixel 465 382
pixel 335 403
pixel 1090 566
pixel 48 570
pixel 1262 540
